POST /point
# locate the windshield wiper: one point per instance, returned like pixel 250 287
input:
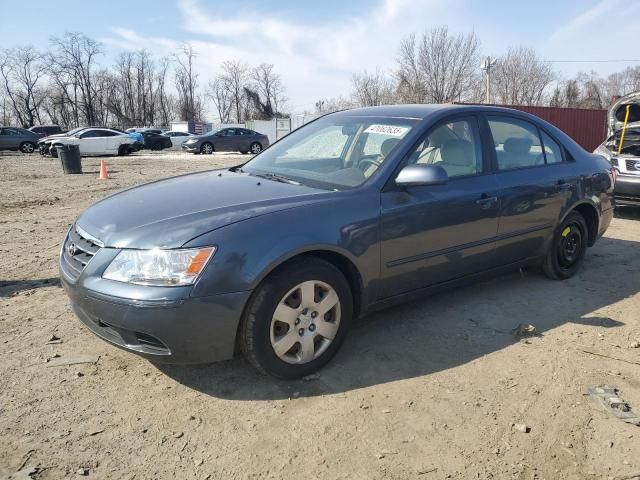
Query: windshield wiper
pixel 277 178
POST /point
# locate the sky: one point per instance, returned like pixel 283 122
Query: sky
pixel 317 45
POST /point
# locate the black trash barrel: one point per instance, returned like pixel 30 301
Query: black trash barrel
pixel 70 158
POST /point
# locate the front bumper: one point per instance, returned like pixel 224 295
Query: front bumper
pixel 193 148
pixel 172 328
pixel 627 191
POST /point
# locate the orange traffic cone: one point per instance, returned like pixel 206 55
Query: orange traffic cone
pixel 104 175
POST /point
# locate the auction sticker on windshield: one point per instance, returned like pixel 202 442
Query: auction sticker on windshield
pixel 391 130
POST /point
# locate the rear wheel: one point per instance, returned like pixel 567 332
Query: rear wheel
pixel 206 148
pixel 297 319
pixel 568 248
pixel 27 147
pixel 255 148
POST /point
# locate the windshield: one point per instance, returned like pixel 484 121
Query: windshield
pixel 332 152
pixel 75 130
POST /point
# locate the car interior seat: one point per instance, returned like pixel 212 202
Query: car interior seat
pixel 386 147
pixel 517 153
pixel 458 157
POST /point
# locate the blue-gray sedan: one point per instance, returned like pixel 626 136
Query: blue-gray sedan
pixel 353 212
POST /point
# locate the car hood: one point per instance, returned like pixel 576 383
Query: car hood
pixel 168 213
pixel 618 112
pixel 53 137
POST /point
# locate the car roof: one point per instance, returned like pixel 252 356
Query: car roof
pixel 423 111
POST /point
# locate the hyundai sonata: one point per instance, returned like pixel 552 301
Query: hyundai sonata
pixel 353 212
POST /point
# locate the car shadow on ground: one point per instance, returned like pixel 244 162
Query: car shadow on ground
pixel 443 331
pixel 9 288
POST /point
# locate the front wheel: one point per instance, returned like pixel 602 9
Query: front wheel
pixel 568 248
pixel 206 148
pixel 297 319
pixel 28 147
pixel 255 148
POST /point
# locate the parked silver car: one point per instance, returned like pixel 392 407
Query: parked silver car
pixel 15 138
pixel 626 158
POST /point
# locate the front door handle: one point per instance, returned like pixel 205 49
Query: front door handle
pixel 485 201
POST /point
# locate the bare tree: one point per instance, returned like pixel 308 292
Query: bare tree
pixel 165 102
pixel 236 74
pixel 411 80
pixel 521 78
pixel 328 105
pixel 439 67
pixel 220 94
pixel 186 81
pixel 23 70
pixel 268 85
pixel 372 89
pixel 73 61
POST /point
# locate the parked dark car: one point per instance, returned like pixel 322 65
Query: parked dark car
pixel 46 130
pixel 155 141
pixel 353 212
pixel 15 138
pixel 240 140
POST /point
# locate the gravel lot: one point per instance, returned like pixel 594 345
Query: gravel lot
pixel 429 390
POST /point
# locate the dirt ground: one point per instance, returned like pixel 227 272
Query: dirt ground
pixel 429 390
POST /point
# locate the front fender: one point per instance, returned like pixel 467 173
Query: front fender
pixel 251 249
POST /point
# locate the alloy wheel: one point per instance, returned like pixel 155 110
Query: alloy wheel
pixel 27 148
pixel 256 148
pixel 207 148
pixel 305 322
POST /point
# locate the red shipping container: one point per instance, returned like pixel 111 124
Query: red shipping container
pixel 586 126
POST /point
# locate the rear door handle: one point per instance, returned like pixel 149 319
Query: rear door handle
pixel 485 201
pixel 562 183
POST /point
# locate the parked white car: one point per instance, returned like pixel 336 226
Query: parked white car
pixel 177 138
pixel 93 141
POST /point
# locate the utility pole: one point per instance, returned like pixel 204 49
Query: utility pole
pixel 486 65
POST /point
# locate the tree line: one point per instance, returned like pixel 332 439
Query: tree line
pixel 438 66
pixel 69 85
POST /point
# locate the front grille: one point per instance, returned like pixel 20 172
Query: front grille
pixel 631 165
pixel 78 250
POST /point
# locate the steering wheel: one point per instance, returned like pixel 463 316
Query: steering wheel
pixel 368 161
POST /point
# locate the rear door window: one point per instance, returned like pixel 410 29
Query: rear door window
pixel 516 142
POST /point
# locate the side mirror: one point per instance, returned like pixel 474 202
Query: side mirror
pixel 422 175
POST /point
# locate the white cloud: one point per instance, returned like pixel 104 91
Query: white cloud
pixel 315 60
pixel 588 19
pixel 606 31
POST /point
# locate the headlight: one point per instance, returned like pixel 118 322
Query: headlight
pixel 190 142
pixel 159 267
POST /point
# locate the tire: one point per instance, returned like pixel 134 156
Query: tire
pixel 255 148
pixel 122 150
pixel 207 148
pixel 27 147
pixel 567 249
pixel 260 331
